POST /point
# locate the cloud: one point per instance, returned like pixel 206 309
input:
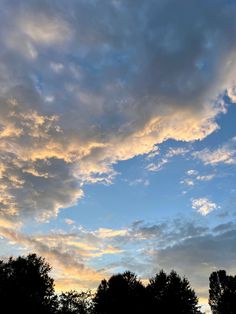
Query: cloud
pixel 171 153
pixel 193 176
pixel 188 182
pixel 205 177
pixel 42 28
pixel 72 255
pixel 68 254
pixel 69 221
pixel 225 154
pixel 203 206
pixel 139 181
pixel 190 247
pixel 154 152
pixel 192 172
pixel 84 86
pixel 110 233
pixel 197 257
pixel 157 166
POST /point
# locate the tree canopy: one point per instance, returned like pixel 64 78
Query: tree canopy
pixel 222 293
pixel 25 286
pixel 122 293
pixel 171 294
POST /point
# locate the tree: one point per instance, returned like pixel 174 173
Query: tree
pixel 122 293
pixel 222 293
pixel 171 294
pixel 25 286
pixel 73 302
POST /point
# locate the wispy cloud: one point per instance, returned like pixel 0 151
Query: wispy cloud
pixel 139 181
pixel 157 166
pixel 225 154
pixel 69 221
pixel 110 233
pixel 192 172
pixel 205 177
pixel 171 153
pixel 193 176
pixel 188 182
pixel 69 253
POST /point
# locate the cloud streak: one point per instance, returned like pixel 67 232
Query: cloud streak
pixel 226 154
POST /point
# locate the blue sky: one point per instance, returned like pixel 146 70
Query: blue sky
pixel 118 138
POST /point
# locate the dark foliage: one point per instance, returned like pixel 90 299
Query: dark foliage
pixel 25 286
pixel 171 294
pixel 122 293
pixel 222 293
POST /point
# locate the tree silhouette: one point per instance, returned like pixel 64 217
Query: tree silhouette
pixel 171 294
pixel 122 293
pixel 222 293
pixel 25 286
pixel 73 302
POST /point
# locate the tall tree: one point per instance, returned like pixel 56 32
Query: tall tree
pixel 25 286
pixel 222 293
pixel 122 293
pixel 171 294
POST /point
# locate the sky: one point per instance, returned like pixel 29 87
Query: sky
pixel 118 137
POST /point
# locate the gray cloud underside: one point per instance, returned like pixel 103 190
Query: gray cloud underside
pixel 84 84
pixel 198 257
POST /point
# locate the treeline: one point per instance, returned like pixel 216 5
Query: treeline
pixel 26 287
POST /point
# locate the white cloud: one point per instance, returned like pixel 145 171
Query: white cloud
pixel 140 181
pixel 231 92
pixel 171 153
pixel 193 176
pixel 203 206
pixel 154 152
pixel 192 172
pixel 225 154
pixel 188 182
pixel 179 151
pixel 205 177
pixel 110 233
pixel 57 67
pixel 158 165
pixel 69 221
